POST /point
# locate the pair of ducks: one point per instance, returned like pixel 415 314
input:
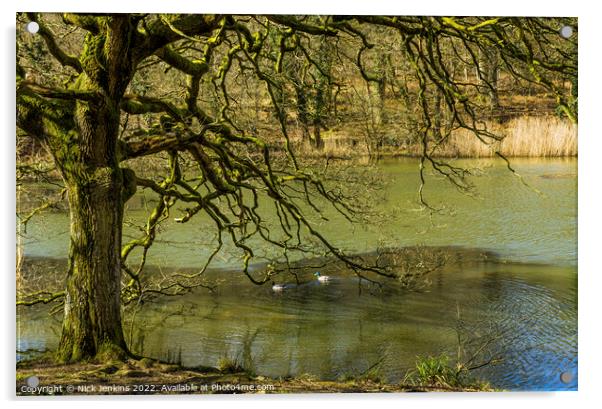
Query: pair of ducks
pixel 320 277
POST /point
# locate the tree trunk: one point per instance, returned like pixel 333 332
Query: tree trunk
pixel 318 115
pixel 302 112
pixel 92 320
pixel 97 189
pixel 88 158
pixel 381 115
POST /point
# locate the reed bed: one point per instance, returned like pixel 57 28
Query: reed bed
pixel 525 136
pixel 543 136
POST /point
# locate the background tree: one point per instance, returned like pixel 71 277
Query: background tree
pixel 112 89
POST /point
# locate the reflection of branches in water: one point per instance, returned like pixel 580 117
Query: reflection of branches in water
pixel 245 353
pixel 410 266
pixel 47 204
pixel 45 236
pixel 144 326
pixel 491 341
pixel 40 281
pixel 373 371
pixel 475 351
pixel 156 319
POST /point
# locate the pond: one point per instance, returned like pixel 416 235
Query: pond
pixel 522 303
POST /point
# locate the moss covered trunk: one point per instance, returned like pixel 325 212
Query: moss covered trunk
pixel 88 158
pixel 92 320
pixel 96 191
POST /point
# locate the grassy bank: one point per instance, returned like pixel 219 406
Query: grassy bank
pixel 148 376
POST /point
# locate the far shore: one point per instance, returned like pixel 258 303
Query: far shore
pixel 525 136
pixel 544 136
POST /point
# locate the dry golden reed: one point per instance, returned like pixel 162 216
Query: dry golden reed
pixel 542 136
pixel 526 136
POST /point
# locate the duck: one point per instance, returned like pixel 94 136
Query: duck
pixel 321 278
pixel 277 287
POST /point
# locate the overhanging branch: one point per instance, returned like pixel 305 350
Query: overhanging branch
pixel 29 87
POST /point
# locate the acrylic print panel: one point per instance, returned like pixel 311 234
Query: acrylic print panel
pixel 274 204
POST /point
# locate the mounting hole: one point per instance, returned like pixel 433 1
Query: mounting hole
pixel 32 27
pixel 566 31
pixel 566 377
pixel 33 381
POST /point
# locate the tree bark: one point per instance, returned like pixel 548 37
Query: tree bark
pixel 97 187
pixel 92 320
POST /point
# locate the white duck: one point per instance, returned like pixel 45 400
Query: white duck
pixel 277 287
pixel 321 278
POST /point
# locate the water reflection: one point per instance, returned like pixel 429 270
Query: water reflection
pixel 332 330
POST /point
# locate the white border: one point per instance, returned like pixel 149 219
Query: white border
pixel 590 150
pixel 462 7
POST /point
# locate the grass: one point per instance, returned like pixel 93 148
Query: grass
pixel 371 375
pixel 227 364
pixel 438 372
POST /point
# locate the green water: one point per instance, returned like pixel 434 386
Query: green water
pixel 528 298
pixel 506 217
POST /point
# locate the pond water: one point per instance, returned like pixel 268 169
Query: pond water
pixel 523 304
